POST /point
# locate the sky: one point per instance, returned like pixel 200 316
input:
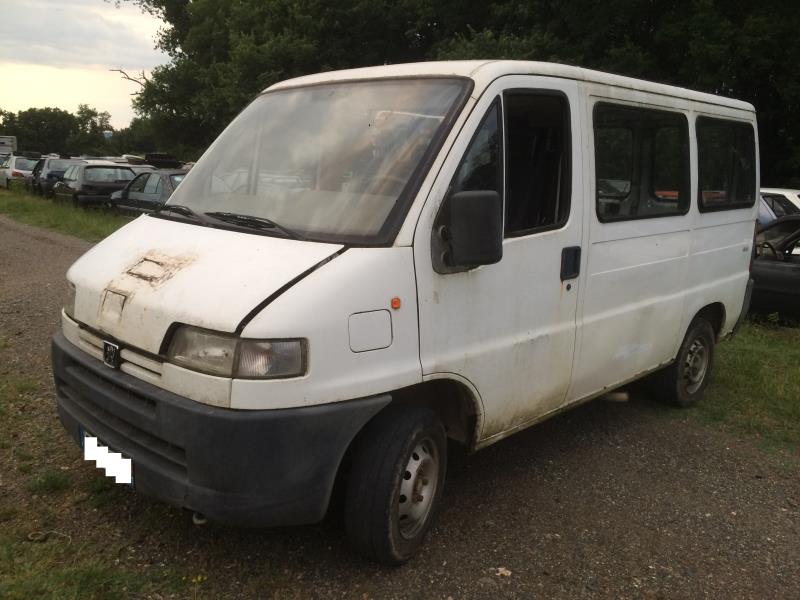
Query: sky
pixel 58 53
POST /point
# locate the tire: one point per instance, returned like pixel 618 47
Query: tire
pixel 395 484
pixel 75 202
pixel 684 381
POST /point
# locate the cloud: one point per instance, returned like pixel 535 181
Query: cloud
pixel 78 33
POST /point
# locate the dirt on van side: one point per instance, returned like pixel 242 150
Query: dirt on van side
pixel 613 499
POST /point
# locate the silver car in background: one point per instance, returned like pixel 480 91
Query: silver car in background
pixel 15 168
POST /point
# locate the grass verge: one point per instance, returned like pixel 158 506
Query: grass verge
pixel 86 223
pixel 43 553
pixel 756 385
pixel 61 567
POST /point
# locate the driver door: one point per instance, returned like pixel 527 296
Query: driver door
pixel 507 330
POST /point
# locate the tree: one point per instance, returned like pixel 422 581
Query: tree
pixel 223 52
pixel 39 129
pixel 88 136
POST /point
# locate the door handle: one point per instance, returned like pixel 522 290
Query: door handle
pixel 570 262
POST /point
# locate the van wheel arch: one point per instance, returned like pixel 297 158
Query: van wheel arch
pixel 713 313
pixel 454 404
pixel 452 401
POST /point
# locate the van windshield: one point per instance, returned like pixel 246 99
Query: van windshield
pixel 330 162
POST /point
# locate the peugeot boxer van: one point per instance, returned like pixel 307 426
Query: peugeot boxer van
pixel 369 263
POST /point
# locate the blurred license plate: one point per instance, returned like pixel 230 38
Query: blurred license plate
pixel 114 464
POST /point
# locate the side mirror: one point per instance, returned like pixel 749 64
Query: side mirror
pixel 469 231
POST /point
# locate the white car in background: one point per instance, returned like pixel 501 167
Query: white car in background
pixel 782 201
pixel 15 168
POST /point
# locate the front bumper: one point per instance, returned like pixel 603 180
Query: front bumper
pixel 256 468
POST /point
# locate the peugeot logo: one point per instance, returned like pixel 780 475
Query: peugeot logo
pixel 111 355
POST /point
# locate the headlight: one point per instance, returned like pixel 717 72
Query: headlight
pixel 69 304
pixel 229 356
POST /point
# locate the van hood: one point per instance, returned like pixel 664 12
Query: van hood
pixel 153 273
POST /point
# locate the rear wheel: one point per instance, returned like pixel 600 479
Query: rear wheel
pixel 685 380
pixel 395 483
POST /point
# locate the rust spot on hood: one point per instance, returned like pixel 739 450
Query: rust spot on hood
pixel 155 268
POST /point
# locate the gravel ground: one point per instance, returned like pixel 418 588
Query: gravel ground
pixel 609 500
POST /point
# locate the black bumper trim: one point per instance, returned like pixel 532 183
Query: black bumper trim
pixel 748 295
pixel 240 467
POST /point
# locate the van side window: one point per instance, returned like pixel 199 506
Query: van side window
pixel 537 160
pixel 727 164
pixel 481 167
pixel 641 163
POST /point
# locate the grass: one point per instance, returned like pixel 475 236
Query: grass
pixel 63 568
pixel 50 482
pixel 756 385
pixel 63 561
pixel 86 223
pixel 14 389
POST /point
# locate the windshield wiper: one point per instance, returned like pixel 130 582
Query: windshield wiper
pixel 181 210
pixel 253 223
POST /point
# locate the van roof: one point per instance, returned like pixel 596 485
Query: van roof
pixel 483 72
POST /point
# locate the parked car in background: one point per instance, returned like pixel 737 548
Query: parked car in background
pixel 148 191
pixel 782 201
pixel 776 268
pixel 136 168
pixel 51 170
pixel 162 160
pixel 765 213
pixel 28 181
pixel 92 182
pixel 15 169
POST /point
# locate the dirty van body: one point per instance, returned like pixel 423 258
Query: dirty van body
pixel 369 263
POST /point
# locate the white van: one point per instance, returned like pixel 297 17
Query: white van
pixel 368 263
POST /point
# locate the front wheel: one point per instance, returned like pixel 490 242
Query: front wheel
pixel 395 484
pixel 685 380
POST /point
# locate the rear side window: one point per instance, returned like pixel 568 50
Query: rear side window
pixel 138 184
pixel 108 174
pixel 25 164
pixel 641 163
pixel 537 162
pixel 58 165
pixel 176 179
pixel 152 183
pixel 780 204
pixel 726 164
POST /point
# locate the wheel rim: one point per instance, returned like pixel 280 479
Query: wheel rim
pixel 418 488
pixel 695 366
